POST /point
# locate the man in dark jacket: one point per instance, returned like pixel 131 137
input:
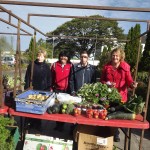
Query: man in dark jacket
pixel 82 73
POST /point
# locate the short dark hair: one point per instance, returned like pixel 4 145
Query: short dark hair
pixel 84 52
pixel 64 53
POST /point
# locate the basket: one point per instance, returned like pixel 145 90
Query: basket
pixel 24 104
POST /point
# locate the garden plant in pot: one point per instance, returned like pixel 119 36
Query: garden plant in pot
pixel 9 135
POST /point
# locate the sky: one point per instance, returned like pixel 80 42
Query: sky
pixel 47 24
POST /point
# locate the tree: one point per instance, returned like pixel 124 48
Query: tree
pixel 41 44
pixel 29 51
pixel 4 44
pixel 145 59
pixel 85 28
pixel 104 57
pixel 131 47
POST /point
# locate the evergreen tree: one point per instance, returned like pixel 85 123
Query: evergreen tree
pixel 104 57
pixel 145 60
pixel 29 52
pixel 131 47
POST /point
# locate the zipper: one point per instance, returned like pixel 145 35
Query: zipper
pixel 83 76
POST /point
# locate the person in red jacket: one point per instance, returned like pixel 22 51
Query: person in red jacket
pixel 60 72
pixel 117 74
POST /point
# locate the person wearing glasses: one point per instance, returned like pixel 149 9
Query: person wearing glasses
pixel 82 73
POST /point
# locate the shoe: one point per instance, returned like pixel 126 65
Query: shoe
pixel 116 139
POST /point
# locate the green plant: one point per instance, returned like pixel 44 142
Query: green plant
pixel 135 104
pixel 6 140
pixel 9 81
pixel 99 93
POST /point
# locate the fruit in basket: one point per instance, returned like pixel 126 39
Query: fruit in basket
pixel 103 114
pixel 37 97
pixel 89 113
pixel 63 111
pixel 70 109
pixel 96 114
pixel 64 106
pixel 77 112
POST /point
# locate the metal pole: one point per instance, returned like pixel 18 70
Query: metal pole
pixel 84 17
pixel 76 6
pixel 126 143
pixel 7 33
pixel 17 59
pixel 53 49
pixel 33 52
pixel 85 37
pixel 28 19
pixel 20 70
pixel 21 20
pixel 95 49
pixel 146 103
pixel 14 26
pixel 1 83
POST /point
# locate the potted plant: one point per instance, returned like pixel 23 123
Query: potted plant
pixel 9 135
pixel 99 93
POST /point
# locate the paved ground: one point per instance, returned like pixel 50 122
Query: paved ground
pixel 47 129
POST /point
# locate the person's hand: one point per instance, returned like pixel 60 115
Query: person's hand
pixel 134 84
pixel 73 93
pixel 111 84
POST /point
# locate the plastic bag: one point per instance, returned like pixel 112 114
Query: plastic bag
pixel 67 98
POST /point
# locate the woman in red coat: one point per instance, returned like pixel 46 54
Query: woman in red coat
pixel 117 74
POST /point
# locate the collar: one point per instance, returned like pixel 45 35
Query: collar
pixel 79 65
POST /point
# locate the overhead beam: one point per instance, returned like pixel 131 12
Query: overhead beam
pixel 9 14
pixel 7 33
pixel 76 6
pixel 84 37
pixel 21 20
pixel 85 17
pixel 14 26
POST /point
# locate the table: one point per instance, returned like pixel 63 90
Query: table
pixel 3 110
pixel 137 123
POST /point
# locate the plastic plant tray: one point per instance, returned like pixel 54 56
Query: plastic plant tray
pixel 25 105
pixel 23 97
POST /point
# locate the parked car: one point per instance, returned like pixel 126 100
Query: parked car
pixel 9 60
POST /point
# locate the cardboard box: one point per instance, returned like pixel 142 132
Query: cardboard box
pixel 94 137
pixel 41 142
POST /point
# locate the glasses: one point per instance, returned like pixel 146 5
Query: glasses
pixel 84 57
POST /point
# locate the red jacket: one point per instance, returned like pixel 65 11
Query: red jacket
pixel 121 76
pixel 60 76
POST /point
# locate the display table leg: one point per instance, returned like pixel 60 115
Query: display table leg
pixel 126 143
pixel 141 139
pixel 129 140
